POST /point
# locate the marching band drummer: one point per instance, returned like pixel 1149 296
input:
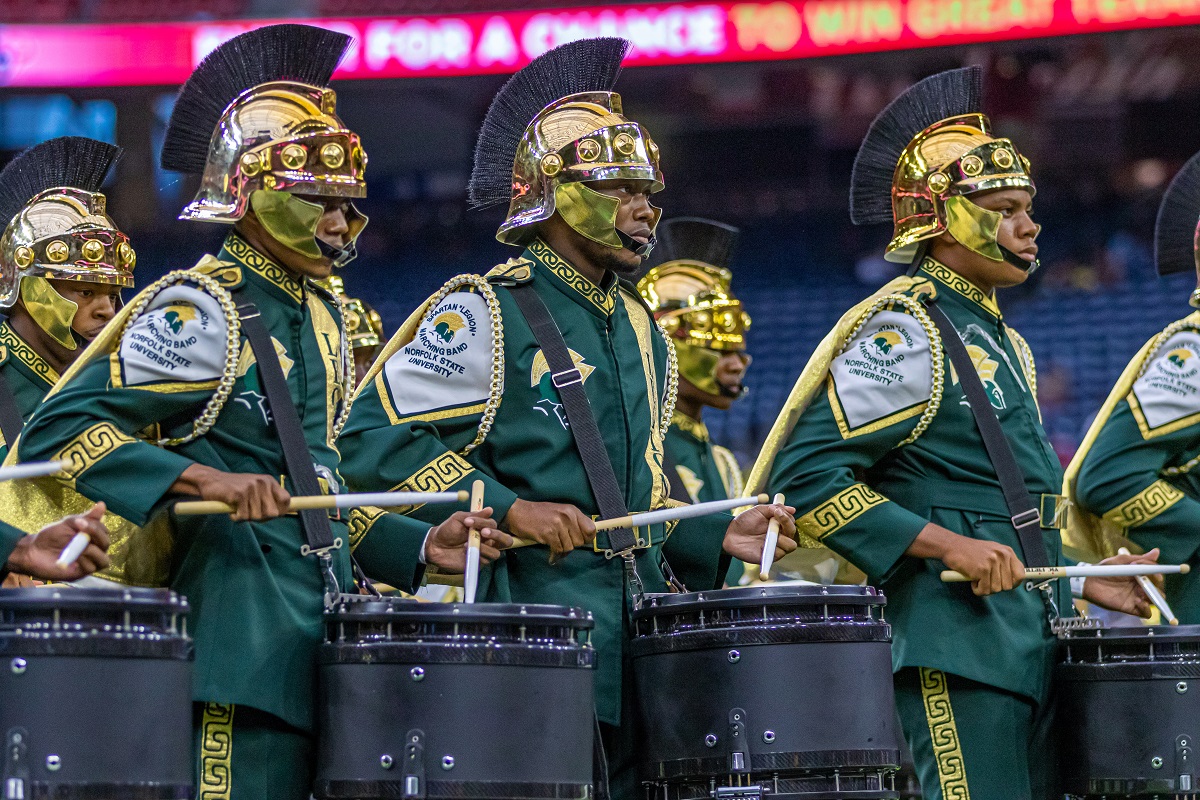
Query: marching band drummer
pixel 688 291
pixel 878 447
pixel 468 390
pixel 1132 478
pixel 230 382
pixel 37 555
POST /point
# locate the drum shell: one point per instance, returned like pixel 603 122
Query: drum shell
pixel 117 726
pixel 517 723
pixel 1115 718
pixel 811 702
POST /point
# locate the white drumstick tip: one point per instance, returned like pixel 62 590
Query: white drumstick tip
pixel 73 550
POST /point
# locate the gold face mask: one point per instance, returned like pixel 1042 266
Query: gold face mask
pixel 293 221
pixel 50 310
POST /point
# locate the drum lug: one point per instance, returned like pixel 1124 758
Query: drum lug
pixel 414 764
pixel 739 742
pixel 16 772
pixel 1183 763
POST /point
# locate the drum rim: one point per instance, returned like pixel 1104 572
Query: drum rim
pixel 65 596
pixel 496 613
pixel 741 596
pixel 1132 634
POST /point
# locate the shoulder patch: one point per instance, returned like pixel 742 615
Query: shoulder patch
pixel 1166 396
pixel 883 375
pixel 446 370
pixel 226 274
pixel 511 273
pixel 177 343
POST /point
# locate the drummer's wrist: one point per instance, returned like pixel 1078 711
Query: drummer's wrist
pixel 934 542
pixel 423 556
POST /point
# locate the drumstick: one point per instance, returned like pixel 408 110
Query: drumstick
pixel 768 553
pixel 471 577
pixel 34 469
pixel 377 499
pixel 1084 571
pixel 1155 596
pixel 644 518
pixel 74 549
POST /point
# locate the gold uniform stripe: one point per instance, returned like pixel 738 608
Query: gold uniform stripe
pixel 216 752
pixel 871 427
pixel 89 448
pixel 838 511
pixel 360 523
pixel 943 733
pixel 1145 505
pixel 1168 427
pixel 644 330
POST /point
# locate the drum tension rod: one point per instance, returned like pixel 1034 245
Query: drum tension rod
pixel 16 772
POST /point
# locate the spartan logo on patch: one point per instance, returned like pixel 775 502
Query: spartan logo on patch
pixel 1181 363
pixel 886 347
pixel 178 315
pixel 447 325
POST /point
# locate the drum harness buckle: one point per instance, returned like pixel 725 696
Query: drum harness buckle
pixel 325 563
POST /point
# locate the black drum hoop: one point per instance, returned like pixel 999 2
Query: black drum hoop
pixel 750 596
pixel 748 635
pixel 507 654
pixel 451 790
pixel 41 790
pixel 809 761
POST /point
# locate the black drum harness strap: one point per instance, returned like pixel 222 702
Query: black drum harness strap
pixel 10 415
pixel 1025 517
pixel 297 459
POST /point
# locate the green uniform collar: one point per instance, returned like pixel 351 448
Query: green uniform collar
pixel 278 281
pixel 599 300
pixel 692 427
pixel 18 350
pixel 961 290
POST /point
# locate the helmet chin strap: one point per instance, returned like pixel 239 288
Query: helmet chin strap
pixel 1028 267
pixel 339 256
pixel 634 246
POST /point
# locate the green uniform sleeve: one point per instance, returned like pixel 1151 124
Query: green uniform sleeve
pixel 689 551
pixel 9 536
pixel 154 378
pixel 409 424
pixel 389 547
pixel 875 392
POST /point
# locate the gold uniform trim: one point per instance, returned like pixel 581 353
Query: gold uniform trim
pixel 443 413
pixel 688 425
pixel 1145 505
pixel 730 471
pixel 19 348
pixel 605 301
pixel 1162 430
pixel 265 267
pixel 644 329
pixel 360 523
pixel 961 286
pixel 839 511
pixel 943 733
pixel 89 448
pixel 871 427
pixel 437 476
pixel 216 752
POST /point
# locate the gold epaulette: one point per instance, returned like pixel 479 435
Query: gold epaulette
pixel 227 275
pixel 513 272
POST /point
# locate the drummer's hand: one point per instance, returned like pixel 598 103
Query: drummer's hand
pixel 1123 593
pixel 559 526
pixel 991 566
pixel 253 496
pixel 37 555
pixel 744 539
pixel 446 544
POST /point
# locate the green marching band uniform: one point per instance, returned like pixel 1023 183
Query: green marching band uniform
pixel 876 440
pixel 1131 481
pixel 463 392
pixel 172 382
pixel 57 228
pixel 688 291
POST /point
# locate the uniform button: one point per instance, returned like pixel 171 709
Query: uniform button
pixel 266 548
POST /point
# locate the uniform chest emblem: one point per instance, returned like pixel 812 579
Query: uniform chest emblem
pixel 986 366
pixel 541 378
pixel 692 483
pixel 251 397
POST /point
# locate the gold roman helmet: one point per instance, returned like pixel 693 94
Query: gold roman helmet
pixel 690 296
pixel 922 159
pixel 57 228
pixel 553 128
pixel 1177 229
pixel 364 326
pixel 259 124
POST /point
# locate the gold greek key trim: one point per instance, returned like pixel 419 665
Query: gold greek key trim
pixel 562 269
pixel 89 448
pixel 436 476
pixel 26 355
pixel 267 269
pixel 690 426
pixel 1145 505
pixel 360 523
pixel 838 511
pixel 960 286
pixel 943 733
pixel 216 752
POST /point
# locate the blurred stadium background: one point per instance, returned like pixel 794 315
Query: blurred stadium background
pixel 758 107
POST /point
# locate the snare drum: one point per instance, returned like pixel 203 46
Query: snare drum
pixel 1129 711
pixel 95 694
pixel 778 688
pixel 450 700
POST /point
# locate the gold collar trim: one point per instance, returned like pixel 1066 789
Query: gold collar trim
pixel 267 269
pixel 19 348
pixel 606 301
pixel 961 286
pixel 688 425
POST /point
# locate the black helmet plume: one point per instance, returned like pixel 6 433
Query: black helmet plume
pixel 588 65
pixel 695 239
pixel 1178 216
pixel 938 97
pixel 66 161
pixel 300 53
